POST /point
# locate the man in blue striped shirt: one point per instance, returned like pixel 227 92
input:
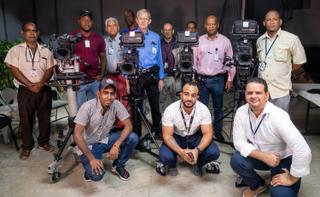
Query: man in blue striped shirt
pixel 150 60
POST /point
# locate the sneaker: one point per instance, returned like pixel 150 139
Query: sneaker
pixel 173 171
pixel 253 193
pixel 86 177
pixel 47 147
pixel 24 155
pixel 197 171
pixel 121 172
pixel 161 168
pixel 213 167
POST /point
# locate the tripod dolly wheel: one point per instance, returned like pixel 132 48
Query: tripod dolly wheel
pixel 56 176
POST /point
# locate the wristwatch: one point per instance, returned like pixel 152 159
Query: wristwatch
pixel 199 150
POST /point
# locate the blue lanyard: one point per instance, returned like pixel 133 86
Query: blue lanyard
pixel 266 47
pixel 255 131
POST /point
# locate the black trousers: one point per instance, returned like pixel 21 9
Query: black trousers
pixel 30 104
pixel 148 83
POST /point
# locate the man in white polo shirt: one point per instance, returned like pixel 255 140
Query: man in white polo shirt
pixel 187 132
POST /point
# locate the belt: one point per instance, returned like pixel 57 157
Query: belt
pixel 147 70
pixel 212 76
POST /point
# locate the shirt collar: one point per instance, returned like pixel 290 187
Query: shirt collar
pixel 267 36
pixel 184 112
pixel 267 109
pixel 217 35
pixel 117 37
pixel 139 30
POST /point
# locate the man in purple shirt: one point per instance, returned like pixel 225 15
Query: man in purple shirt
pixel 91 51
pixel 208 62
pixel 169 59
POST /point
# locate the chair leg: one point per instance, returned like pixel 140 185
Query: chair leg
pixel 14 137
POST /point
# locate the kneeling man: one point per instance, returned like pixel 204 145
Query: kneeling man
pixel 94 136
pixel 187 132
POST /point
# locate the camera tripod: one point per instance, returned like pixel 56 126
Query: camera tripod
pixel 135 99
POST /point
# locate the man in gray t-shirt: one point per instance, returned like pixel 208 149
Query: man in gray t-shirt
pixel 94 136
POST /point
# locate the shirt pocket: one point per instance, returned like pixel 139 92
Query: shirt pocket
pixel 281 54
pixel 43 64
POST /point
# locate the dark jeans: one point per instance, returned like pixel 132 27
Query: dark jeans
pixel 98 149
pixel 169 157
pixel 215 87
pixel 30 104
pixel 148 82
pixel 245 167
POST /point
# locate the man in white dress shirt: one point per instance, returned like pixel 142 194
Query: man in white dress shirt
pixel 266 139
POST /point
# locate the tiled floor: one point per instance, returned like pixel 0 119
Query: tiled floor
pixel 30 177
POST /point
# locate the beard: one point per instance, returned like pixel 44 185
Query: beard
pixel 188 104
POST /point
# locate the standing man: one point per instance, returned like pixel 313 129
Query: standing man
pixel 187 132
pixel 93 135
pixel 266 139
pixel 114 56
pixel 150 60
pixel 208 62
pixel 91 51
pixel 169 58
pixel 130 20
pixel 279 53
pixel 31 65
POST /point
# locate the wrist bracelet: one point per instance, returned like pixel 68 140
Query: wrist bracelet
pixel 199 150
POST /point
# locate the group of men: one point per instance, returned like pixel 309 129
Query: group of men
pixel 264 136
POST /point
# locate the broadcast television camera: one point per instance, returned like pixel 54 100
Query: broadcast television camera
pixel 245 31
pixel 186 40
pixel 63 48
pixel 130 41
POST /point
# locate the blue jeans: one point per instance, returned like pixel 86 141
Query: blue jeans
pixel 215 87
pixel 87 92
pixel 245 167
pixel 98 149
pixel 169 157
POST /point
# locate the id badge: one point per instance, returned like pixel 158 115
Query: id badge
pixel 262 66
pixel 154 50
pixel 33 73
pixel 216 57
pixel 87 43
pixel 165 65
pixel 110 51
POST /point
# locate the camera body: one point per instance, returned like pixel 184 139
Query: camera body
pixel 130 41
pixel 63 49
pixel 245 32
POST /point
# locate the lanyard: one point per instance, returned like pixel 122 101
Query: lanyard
pixel 32 57
pixel 255 131
pixel 266 47
pixel 184 120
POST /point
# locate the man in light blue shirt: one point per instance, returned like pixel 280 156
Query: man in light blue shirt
pixel 150 60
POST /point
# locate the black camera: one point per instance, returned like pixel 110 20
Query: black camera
pixel 65 45
pixel 186 40
pixel 63 49
pixel 245 31
pixel 130 41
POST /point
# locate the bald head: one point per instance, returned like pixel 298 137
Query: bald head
pixel 211 25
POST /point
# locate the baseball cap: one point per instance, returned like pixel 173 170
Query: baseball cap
pixel 104 83
pixel 85 12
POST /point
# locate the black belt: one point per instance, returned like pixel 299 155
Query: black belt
pixel 153 69
pixel 210 76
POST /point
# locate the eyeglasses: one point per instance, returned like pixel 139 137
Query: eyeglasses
pixel 143 19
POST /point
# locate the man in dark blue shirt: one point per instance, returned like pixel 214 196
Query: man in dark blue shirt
pixel 150 60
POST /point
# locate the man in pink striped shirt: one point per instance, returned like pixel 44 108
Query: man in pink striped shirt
pixel 208 62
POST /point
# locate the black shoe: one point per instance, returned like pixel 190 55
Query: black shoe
pixel 121 172
pixel 219 137
pixel 213 167
pixel 197 171
pixel 86 177
pixel 140 147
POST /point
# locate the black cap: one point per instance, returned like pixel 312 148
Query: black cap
pixel 106 82
pixel 86 12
